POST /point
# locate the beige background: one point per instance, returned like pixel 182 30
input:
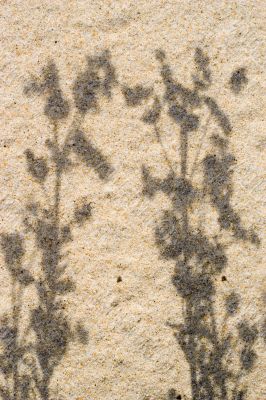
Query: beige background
pixel 132 353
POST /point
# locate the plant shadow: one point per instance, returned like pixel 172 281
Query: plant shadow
pixel 199 257
pixel 28 365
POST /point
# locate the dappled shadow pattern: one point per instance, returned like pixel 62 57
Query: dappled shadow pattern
pixel 28 365
pixel 199 258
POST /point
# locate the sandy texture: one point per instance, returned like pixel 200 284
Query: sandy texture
pixel 124 299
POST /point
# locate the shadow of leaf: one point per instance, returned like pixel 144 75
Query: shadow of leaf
pixel 90 155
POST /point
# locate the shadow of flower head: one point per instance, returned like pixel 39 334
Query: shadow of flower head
pixel 238 80
pixel 13 248
pixel 56 107
pixel 232 303
pixel 98 79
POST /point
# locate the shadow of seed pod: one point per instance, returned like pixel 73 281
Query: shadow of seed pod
pixel 33 87
pixel 103 62
pixel 248 358
pixel 97 80
pixel 247 333
pixel 83 213
pixel 160 55
pixel 150 185
pixel 238 80
pixel 37 167
pixel 232 303
pixel 24 277
pixel 85 91
pixel 134 96
pixel 50 76
pixel 56 107
pixel 65 234
pixel 188 122
pixel 63 286
pixel 203 79
pixel 201 59
pixel 13 248
pixel 151 116
pixel 82 334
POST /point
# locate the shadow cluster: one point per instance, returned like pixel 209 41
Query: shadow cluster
pixel 199 258
pixel 28 365
pixel 30 354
